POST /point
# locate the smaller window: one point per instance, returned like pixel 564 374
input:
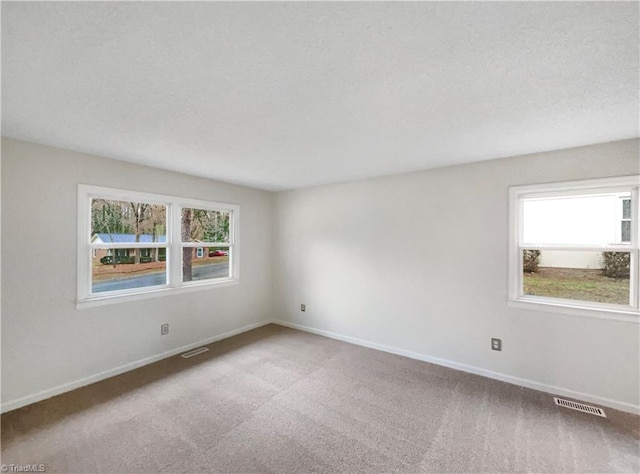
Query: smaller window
pixel 575 245
pixel 122 253
pixel 199 252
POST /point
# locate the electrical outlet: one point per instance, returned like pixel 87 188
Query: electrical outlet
pixel 496 344
pixel 303 307
pixel 164 329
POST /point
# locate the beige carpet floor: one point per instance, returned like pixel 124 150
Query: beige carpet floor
pixel 280 400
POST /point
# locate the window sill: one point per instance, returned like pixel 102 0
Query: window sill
pixel 145 294
pixel 622 314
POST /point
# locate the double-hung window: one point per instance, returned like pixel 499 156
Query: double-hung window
pixel 574 247
pixel 133 245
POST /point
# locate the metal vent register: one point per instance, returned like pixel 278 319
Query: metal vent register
pixel 195 352
pixel 580 407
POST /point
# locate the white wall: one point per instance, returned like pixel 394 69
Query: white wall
pixel 418 262
pixel 46 341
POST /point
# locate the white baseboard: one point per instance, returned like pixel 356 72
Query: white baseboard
pixel 67 387
pixel 52 392
pixel 618 405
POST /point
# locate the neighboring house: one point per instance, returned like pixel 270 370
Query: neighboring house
pixel 98 253
pixel 125 239
pixel 562 259
pixel 609 220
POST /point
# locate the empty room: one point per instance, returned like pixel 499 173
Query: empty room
pixel 293 237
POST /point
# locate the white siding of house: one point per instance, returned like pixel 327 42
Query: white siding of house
pixel 573 221
pixel 562 259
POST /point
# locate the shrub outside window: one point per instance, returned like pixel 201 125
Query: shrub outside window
pixel 574 247
pixel 133 245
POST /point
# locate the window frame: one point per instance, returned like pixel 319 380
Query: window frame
pixel 516 298
pixel 173 246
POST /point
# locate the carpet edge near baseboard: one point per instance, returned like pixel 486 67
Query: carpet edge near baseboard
pixel 105 374
pixel 542 387
pixel 551 389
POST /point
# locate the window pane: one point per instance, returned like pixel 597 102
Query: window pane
pixel 577 275
pixel 625 231
pixel 127 222
pixel 199 225
pixel 626 208
pixel 214 263
pixel 581 220
pixel 125 269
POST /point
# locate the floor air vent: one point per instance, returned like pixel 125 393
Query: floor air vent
pixel 194 352
pixel 580 407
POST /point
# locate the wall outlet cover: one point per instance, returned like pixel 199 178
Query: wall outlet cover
pixel 496 344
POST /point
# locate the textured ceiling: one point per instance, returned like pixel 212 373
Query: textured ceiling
pixel 287 95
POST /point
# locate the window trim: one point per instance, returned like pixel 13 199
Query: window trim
pixel 173 246
pixel 574 307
